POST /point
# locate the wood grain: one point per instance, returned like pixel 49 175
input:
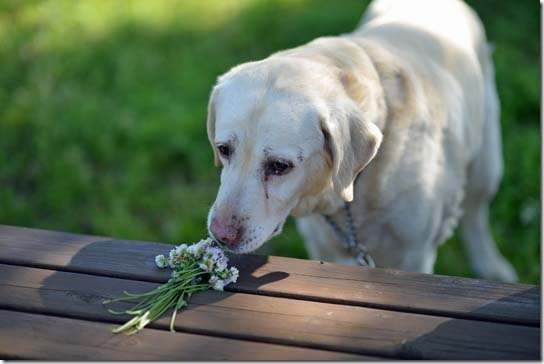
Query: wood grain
pixel 276 320
pixel 284 277
pixel 41 337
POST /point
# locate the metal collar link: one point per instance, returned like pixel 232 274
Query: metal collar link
pixel 349 237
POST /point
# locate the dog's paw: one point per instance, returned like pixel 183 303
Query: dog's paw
pixel 496 269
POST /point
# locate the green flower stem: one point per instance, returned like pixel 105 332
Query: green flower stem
pixel 181 302
pixel 167 286
pixel 187 274
pixel 179 305
pixel 129 296
pixel 157 301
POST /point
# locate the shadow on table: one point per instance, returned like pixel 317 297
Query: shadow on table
pixel 482 340
pixel 110 267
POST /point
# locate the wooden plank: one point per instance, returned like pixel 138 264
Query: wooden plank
pixel 81 253
pixel 277 320
pixel 33 336
pixel 285 277
pixel 395 290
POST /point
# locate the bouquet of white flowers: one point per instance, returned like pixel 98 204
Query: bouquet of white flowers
pixel 196 267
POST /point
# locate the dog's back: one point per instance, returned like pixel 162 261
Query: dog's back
pixel 449 19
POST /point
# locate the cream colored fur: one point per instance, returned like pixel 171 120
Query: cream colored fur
pixel 407 102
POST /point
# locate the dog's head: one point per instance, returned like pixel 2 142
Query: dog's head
pixel 283 129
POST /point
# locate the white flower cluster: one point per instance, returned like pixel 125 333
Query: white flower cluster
pixel 204 255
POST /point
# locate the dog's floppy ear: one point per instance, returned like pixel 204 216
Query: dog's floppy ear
pixel 351 142
pixel 210 126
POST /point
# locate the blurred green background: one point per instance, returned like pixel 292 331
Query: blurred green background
pixel 103 108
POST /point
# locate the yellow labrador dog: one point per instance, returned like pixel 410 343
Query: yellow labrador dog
pixel 396 123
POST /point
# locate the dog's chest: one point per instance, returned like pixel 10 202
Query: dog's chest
pixel 401 223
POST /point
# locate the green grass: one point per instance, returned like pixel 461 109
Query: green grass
pixel 103 108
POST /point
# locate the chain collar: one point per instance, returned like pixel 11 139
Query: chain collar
pixel 349 237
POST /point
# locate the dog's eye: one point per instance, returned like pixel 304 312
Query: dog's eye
pixel 278 167
pixel 224 150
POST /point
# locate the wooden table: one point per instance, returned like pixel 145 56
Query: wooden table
pixel 52 285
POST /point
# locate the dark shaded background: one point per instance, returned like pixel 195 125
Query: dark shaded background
pixel 103 108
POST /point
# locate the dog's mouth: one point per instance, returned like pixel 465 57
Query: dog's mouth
pixel 277 230
pixel 219 243
pixel 246 247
